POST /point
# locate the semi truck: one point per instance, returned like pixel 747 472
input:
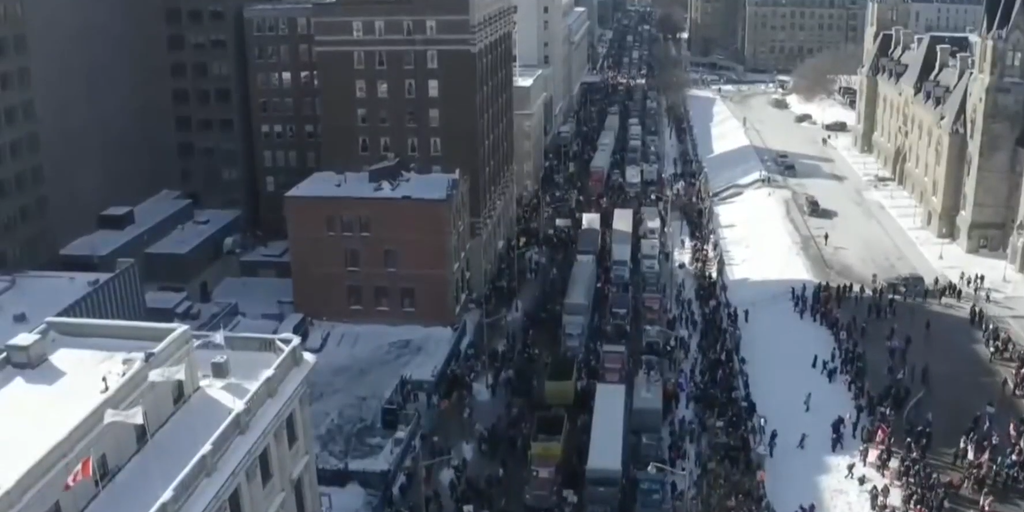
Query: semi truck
pixel 578 304
pixel 589 241
pixel 622 245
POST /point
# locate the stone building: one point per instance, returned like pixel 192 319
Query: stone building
pixel 716 29
pixel 782 33
pixel 942 112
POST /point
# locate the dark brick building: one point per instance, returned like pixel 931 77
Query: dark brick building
pixel 382 245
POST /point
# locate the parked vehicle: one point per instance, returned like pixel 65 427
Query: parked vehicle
pixel 811 205
pixel 836 126
pixel 802 118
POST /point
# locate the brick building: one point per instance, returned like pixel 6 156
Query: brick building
pixel 383 245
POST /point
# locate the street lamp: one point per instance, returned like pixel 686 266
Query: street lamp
pixel 653 468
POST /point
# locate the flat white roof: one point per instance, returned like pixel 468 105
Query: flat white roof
pixel 357 185
pixel 607 427
pixel 152 471
pixel 205 224
pixel 40 295
pixel 276 250
pixel 147 214
pixel 258 297
pixel 355 373
pixel 41 406
pixel 525 76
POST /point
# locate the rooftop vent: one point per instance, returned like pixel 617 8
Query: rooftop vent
pixel 26 351
pixel 220 367
pixel 20 317
pixel 93 282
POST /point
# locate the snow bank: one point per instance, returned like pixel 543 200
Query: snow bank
pixel 729 157
pixel 764 259
pixel 351 498
pixel 823 110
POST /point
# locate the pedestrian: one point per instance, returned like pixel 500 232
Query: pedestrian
pixel 807 402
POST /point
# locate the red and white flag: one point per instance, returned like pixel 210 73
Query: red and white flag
pixel 83 471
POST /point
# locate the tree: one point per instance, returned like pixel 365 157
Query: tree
pixel 822 74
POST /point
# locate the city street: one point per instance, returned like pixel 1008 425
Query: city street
pixel 863 241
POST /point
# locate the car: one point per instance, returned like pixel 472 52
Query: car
pixel 802 118
pixel 836 126
pixel 908 282
pixel 781 158
pixel 788 169
pixel 811 205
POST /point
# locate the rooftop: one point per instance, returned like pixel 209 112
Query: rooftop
pixel 40 295
pixel 525 76
pixel 204 224
pixel 147 214
pixel 387 180
pixel 356 371
pixel 267 298
pixel 276 250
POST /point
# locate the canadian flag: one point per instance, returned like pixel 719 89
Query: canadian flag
pixel 83 471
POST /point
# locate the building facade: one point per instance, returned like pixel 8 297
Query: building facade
pixel 430 81
pixel 942 112
pixel 531 101
pixel 716 29
pixel 209 94
pixel 945 16
pixel 381 246
pixel 176 445
pixel 780 34
pixel 284 105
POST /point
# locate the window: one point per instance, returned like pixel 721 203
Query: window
pixel 141 431
pixel 407 296
pixel 382 88
pixel 355 296
pixel 20 44
pixel 407 28
pixel 378 28
pixel 391 258
pixel 352 259
pixel 409 59
pixel 172 16
pixel 432 59
pixel 282 26
pixel 435 117
pixel 268 161
pixel 361 117
pixel 311 159
pixel 357 29
pixel 435 146
pixel 382 60
pixel 545 9
pixel 286 79
pixel 364 146
pixel 410 117
pixel 266 471
pixel 306 78
pixel 364 225
pixel 304 54
pixel 545 24
pixel 410 88
pixel 290 433
pixel 359 59
pixel 175 42
pixel 293 158
pixel 300 495
pixel 347 226
pixel 360 88
pixel 235 502
pixel 178 392
pixel 385 145
pixel 312 132
pixel 302 25
pixel 431 27
pixel 547 59
pixel 195 16
pixel 278 132
pixel 432 86
pixel 413 149
pixel 382 118
pixel 216 14
pixel 380 297
pixel 179 70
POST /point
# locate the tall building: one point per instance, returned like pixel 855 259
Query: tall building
pixel 780 34
pixel 208 90
pixel 383 245
pixel 430 80
pixel 716 29
pixel 945 16
pixel 942 112
pixel 69 147
pixel 554 34
pixel 154 417
pixel 284 104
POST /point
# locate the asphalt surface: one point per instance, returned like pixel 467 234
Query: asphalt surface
pixel 865 241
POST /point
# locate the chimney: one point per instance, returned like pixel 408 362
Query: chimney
pixel 907 37
pixel 918 40
pixel 963 64
pixel 942 59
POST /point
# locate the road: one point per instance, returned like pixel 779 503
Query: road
pixel 864 240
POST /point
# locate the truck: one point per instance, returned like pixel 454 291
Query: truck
pixel 599 167
pixel 622 245
pixel 650 227
pixel 633 179
pixel 651 173
pixel 620 304
pixel 542 487
pixel 607 437
pixel 614 363
pixel 650 263
pixel 578 304
pixel 546 440
pixel 560 381
pixel 648 393
pixel 589 241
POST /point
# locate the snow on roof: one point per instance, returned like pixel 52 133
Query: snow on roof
pixel 171 450
pixel 525 76
pixel 147 214
pixel 258 297
pixel 70 384
pixel 40 295
pixel 727 154
pixel 351 498
pixel 357 185
pixel 205 224
pixel 253 325
pixel 355 373
pixel 277 250
pixel 608 428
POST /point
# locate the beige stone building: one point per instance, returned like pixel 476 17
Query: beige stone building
pixel 716 30
pixel 782 33
pixel 943 113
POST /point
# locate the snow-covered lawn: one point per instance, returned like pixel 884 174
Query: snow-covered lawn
pixel 823 110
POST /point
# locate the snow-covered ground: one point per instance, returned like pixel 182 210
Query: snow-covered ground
pixel 823 110
pixel 355 373
pixel 728 155
pixel 351 498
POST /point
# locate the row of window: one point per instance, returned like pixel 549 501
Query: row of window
pixel 283 53
pixel 801 27
pixel 285 159
pixel 283 79
pixel 16 149
pixel 287 132
pixel 349 225
pixel 380 59
pixel 363 118
pixel 175 16
pixel 805 15
pixel 20 80
pixel 409 28
pixel 286 106
pixel 226 153
pixel 14 115
pixel 199 42
pixel 185 124
pixel 216 69
pixel 22 180
pixel 19 43
pixel 278 26
pixel 11 11
pixel 433 88
pixel 183 97
pixel 25 214
pixel 412 146
pixel 261 472
pixel 382 298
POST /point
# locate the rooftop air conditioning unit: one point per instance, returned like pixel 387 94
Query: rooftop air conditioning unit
pixel 26 351
pixel 220 367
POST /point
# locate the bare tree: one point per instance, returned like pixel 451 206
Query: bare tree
pixel 823 74
pixel 671 77
pixel 671 20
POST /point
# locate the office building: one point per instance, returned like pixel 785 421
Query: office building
pixel 154 417
pixel 945 15
pixel 532 101
pixel 431 81
pixel 383 245
pixel 554 35
pixel 780 34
